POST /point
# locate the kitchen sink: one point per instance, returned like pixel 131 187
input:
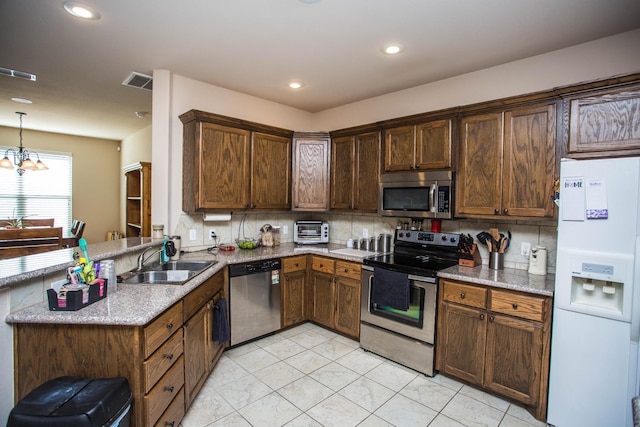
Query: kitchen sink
pixel 170 273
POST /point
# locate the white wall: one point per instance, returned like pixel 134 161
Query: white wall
pixel 174 95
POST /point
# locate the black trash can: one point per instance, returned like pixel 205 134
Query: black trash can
pixel 75 402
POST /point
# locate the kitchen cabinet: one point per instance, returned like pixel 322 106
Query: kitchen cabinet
pixel 165 361
pixel 335 295
pixel 294 295
pixel 138 199
pixel 150 357
pixel 234 164
pixel 311 153
pixel 421 147
pixel 200 350
pixel 605 123
pixel 355 169
pixel 507 165
pixel 496 339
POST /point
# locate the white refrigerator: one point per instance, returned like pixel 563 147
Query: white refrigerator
pixel 596 314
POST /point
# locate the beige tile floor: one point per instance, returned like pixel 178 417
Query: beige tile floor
pixel 309 376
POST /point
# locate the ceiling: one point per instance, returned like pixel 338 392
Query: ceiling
pixel 257 46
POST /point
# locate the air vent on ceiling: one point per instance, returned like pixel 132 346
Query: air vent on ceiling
pixel 18 74
pixel 139 80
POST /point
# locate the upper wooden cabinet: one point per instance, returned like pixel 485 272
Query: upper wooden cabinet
pixel 270 172
pixel 138 199
pixel 605 122
pixel 507 164
pixel 355 168
pixel 310 171
pixel 233 164
pixel 420 147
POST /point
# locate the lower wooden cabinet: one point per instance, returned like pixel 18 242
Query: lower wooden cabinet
pixel 165 361
pixel 496 339
pixel 335 295
pixel 294 295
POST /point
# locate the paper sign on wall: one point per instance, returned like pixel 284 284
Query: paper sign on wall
pixel 572 193
pixel 597 199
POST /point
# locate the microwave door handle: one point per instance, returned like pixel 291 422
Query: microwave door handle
pixel 432 196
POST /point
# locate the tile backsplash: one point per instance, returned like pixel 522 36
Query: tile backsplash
pixel 345 226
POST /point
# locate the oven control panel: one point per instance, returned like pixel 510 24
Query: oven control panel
pixel 427 237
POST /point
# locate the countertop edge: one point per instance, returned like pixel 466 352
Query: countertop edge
pixel 509 278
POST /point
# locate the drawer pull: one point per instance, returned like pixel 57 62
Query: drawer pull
pixel 169 356
pixel 462 295
pixel 321 265
pixel 515 306
pixel 296 264
pixel 170 326
pixel 170 389
pixel 346 270
pixel 482 316
pixel 170 424
pixel 492 318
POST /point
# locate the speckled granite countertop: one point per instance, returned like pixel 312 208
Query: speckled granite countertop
pixel 509 278
pixel 138 304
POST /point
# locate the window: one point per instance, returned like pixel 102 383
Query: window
pixel 38 194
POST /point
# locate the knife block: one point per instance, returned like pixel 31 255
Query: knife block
pixel 470 259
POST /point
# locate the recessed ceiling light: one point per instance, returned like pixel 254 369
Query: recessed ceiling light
pixel 392 49
pixel 80 10
pixel 141 114
pixel 22 100
pixel 295 85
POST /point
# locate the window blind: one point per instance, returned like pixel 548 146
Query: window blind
pixel 38 194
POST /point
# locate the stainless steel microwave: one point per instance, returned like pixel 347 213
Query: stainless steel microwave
pixel 310 232
pixel 417 194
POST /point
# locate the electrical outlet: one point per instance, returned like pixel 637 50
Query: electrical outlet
pixel 192 234
pixel 212 233
pixel 285 229
pixel 525 248
pixel 365 232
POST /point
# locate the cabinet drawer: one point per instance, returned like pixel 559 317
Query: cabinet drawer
pixel 197 298
pixel 469 295
pixel 162 328
pixel 349 270
pixel 324 265
pixel 525 306
pixel 296 263
pixel 174 413
pixel 160 361
pixel 164 392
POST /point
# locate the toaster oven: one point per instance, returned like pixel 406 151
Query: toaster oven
pixel 310 232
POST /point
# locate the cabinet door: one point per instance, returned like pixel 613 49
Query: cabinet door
pixel 606 122
pixel 310 174
pixel 195 341
pixel 367 172
pixel 270 172
pixel 398 149
pixel 342 153
pixel 347 306
pixel 223 161
pixel 529 161
pixel 479 182
pixel 322 298
pixel 514 358
pixel 464 338
pixel 294 298
pixel 433 145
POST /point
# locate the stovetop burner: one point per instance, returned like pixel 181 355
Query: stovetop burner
pixel 419 253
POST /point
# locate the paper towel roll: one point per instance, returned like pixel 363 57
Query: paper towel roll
pixel 217 217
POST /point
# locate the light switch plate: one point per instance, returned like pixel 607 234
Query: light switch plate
pixel 192 234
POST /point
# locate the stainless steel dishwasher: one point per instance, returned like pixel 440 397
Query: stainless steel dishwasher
pixel 254 299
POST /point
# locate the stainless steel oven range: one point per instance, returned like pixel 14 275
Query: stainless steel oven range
pixel 399 290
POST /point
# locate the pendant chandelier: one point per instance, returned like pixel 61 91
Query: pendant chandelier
pixel 22 157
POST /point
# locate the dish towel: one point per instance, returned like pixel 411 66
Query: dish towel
pixel 221 330
pixel 390 288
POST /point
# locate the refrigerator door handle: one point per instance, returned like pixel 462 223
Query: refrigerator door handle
pixel 635 295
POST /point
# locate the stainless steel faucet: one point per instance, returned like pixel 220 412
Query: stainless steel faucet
pixel 142 260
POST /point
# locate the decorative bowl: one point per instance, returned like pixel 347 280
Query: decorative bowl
pixel 247 243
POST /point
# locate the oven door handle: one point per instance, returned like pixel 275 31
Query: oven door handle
pixel 411 276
